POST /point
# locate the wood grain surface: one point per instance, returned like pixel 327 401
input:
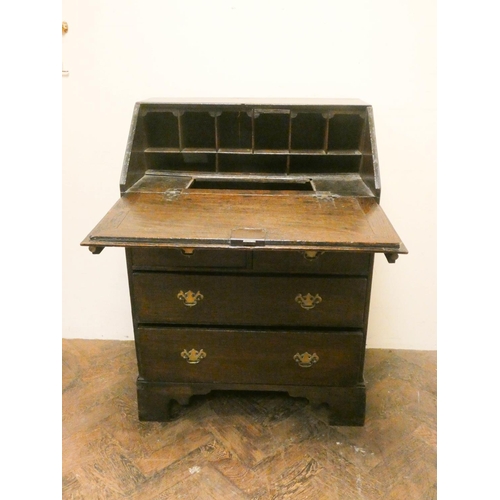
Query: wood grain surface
pixel 209 218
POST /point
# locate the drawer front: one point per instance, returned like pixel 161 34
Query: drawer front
pixel 187 258
pixel 346 263
pixel 249 300
pixel 257 357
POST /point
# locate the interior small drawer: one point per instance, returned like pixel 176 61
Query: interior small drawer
pixel 171 354
pixel 186 258
pixel 313 262
pixel 198 299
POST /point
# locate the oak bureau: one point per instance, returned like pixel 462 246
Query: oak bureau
pixel 250 229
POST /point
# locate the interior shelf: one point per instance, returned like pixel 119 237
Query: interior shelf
pixel 234 151
pixel 345 152
pixel 162 150
pixel 295 152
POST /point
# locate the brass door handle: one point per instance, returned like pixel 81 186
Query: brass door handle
pixel 306 360
pixel 190 298
pixel 308 301
pixel 193 357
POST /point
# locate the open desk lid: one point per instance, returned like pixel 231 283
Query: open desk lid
pixel 294 175
pixel 213 218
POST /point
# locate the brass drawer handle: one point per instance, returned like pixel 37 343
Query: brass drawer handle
pixel 308 301
pixel 306 360
pixel 187 251
pixel 193 357
pixel 312 254
pixel 190 298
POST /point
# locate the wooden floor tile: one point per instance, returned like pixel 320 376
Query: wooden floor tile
pixel 245 445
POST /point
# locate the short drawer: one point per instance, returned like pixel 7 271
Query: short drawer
pixel 341 263
pixel 198 299
pixel 186 258
pixel 259 357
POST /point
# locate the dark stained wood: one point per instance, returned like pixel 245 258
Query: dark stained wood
pixel 249 300
pixel 245 445
pixel 250 232
pixel 234 356
pixel 161 259
pixel 258 260
pixel 346 405
pixel 340 263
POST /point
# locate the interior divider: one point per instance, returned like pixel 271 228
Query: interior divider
pixel 217 140
pixel 217 132
pixel 181 134
pixel 179 113
pixel 235 131
pixel 326 116
pixel 253 130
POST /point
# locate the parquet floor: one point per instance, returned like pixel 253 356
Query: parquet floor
pixel 245 446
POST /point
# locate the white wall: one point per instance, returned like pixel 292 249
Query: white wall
pixel 119 52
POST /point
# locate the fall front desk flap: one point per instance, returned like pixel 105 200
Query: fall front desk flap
pixel 296 175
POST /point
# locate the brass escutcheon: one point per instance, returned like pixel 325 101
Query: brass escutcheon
pixel 190 298
pixel 306 360
pixel 187 251
pixel 193 357
pixel 308 301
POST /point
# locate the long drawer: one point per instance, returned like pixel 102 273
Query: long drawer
pixel 199 299
pixel 172 354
